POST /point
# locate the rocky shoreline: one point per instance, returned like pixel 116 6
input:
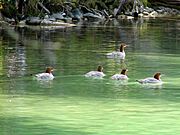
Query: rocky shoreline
pixel 72 15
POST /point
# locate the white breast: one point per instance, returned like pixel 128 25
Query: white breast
pixel 95 74
pixel 44 76
pixel 120 55
pixel 119 77
pixel 150 80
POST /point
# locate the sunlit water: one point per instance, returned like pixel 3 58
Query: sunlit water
pixel 74 105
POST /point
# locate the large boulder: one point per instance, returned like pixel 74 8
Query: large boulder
pixel 33 21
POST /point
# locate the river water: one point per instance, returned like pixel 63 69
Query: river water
pixel 74 105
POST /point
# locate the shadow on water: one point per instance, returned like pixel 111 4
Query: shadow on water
pixel 16 125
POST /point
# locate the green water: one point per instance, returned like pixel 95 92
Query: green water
pixel 74 105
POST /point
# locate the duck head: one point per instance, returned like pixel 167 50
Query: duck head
pixel 157 75
pixel 49 70
pixel 124 71
pixel 100 68
pixel 122 46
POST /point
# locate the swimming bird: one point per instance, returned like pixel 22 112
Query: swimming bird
pixel 121 76
pixel 46 76
pixel 96 74
pixel 151 80
pixel 118 54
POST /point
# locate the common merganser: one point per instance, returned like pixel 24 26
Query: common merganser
pixel 121 76
pixel 45 76
pixel 118 54
pixel 151 80
pixel 96 74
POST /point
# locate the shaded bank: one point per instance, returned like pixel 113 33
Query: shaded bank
pixel 167 3
pixel 51 12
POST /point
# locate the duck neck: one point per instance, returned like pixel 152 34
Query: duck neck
pixel 123 72
pixel 157 77
pixel 48 71
pixel 121 49
pixel 99 69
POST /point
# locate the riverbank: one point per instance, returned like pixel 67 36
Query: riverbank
pixel 69 14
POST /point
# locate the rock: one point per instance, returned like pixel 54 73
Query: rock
pixel 58 16
pixel 9 20
pixel 22 23
pixel 90 16
pixel 121 17
pixel 129 17
pixel 33 21
pixel 160 11
pixel 77 15
pixel 153 14
pixel 147 9
pixel 140 15
pixel 145 13
pixel 164 11
pixel 46 22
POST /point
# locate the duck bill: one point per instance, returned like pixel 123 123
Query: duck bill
pixel 126 45
pixel 163 75
pixel 52 70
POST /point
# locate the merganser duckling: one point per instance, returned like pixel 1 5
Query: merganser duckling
pixel 151 80
pixel 96 74
pixel 121 76
pixel 118 54
pixel 45 76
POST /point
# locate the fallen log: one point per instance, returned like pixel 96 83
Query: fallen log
pixel 43 7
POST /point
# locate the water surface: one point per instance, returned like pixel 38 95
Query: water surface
pixel 74 105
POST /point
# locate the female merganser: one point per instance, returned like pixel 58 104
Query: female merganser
pixel 96 74
pixel 45 76
pixel 118 54
pixel 121 76
pixel 151 80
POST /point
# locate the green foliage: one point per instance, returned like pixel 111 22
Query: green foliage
pixel 145 2
pixel 9 9
pixel 32 9
pixel 56 1
pixel 88 3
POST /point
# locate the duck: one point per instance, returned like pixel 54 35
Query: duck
pixel 151 80
pixel 121 76
pixel 96 74
pixel 118 54
pixel 46 76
